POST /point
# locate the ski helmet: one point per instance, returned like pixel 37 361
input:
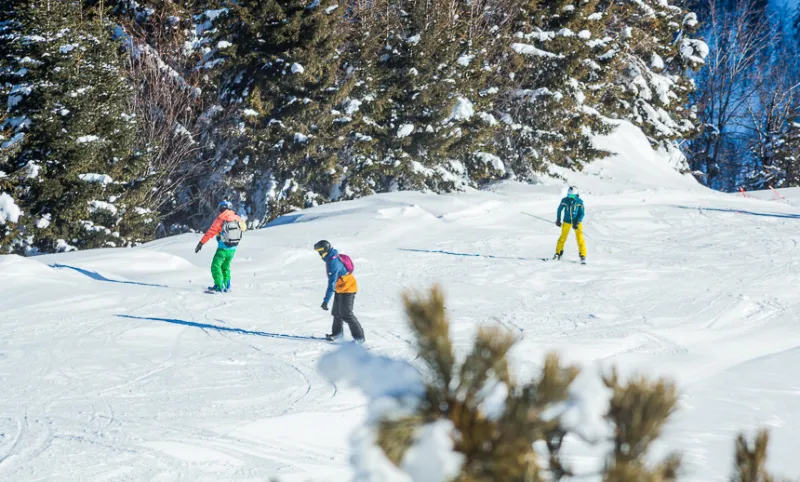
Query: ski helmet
pixel 573 192
pixel 322 247
pixel 225 205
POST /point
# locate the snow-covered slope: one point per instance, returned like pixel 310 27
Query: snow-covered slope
pixel 115 366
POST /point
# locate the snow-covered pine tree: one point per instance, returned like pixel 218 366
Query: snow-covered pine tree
pixel 9 211
pixel 363 115
pixel 657 53
pixel 561 68
pixel 75 173
pixel 781 166
pixel 282 78
pixel 789 155
pixel 441 81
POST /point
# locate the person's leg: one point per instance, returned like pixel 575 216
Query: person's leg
pixel 348 301
pixel 216 269
pixel 562 240
pixel 226 268
pixel 337 328
pixel 581 242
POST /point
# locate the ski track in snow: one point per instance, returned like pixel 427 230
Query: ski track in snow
pixel 106 380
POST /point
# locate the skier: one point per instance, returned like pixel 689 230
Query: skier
pixel 572 206
pixel 341 282
pixel 228 228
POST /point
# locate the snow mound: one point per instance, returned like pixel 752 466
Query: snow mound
pixel 413 211
pixel 17 268
pixel 376 376
pixel 632 166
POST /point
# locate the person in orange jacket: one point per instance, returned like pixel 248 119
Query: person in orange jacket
pixel 342 287
pixel 228 229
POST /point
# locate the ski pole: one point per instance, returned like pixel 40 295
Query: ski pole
pixel 547 221
pixel 539 218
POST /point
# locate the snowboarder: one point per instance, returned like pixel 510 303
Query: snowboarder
pixel 342 283
pixel 228 228
pixel 572 207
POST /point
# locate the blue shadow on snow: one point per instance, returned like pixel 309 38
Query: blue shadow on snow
pixel 740 211
pixel 98 277
pixel 307 218
pixel 206 326
pixel 468 255
pixel 283 220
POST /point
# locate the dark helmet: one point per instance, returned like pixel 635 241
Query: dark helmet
pixel 224 205
pixel 322 247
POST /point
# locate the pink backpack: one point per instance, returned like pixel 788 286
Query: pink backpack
pixel 347 262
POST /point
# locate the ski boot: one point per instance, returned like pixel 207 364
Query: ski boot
pixel 359 341
pixel 583 260
pixel 557 257
pixel 228 286
pixel 333 338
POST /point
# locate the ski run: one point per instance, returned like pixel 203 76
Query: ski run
pixel 115 366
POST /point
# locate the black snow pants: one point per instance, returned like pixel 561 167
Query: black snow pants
pixel 343 313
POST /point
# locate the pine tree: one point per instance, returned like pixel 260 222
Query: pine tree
pixel 442 81
pixel 560 70
pixel 77 177
pixel 282 78
pixel 657 54
pixel 780 157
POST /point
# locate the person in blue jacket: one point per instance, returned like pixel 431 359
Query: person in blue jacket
pixel 342 287
pixel 573 211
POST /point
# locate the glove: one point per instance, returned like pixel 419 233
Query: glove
pixel 558 223
pixel 198 247
pixel 575 226
pixel 324 305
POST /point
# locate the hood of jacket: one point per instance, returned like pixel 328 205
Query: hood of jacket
pixel 228 215
pixel 333 252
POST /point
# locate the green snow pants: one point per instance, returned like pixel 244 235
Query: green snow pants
pixel 221 268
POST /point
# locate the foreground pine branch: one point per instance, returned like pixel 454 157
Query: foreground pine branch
pixel 473 421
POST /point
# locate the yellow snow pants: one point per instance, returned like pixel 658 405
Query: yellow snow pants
pixel 562 240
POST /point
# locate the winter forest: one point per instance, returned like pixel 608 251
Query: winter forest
pixel 126 121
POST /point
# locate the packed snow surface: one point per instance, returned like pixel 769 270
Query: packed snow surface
pixel 115 365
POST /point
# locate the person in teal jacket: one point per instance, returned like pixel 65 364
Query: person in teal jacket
pixel 572 209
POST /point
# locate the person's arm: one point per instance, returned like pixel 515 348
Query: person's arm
pixel 336 270
pixel 215 229
pixel 581 212
pixel 560 210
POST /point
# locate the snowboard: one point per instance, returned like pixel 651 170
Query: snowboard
pixel 344 342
